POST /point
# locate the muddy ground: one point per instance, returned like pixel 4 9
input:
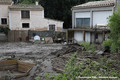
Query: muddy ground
pixel 51 58
pixel 32 52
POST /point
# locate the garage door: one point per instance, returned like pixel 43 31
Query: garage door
pixel 101 17
pixel 82 15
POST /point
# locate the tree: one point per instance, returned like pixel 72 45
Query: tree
pixel 114 24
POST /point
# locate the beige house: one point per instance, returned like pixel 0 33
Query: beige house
pixel 27 17
pixel 4 4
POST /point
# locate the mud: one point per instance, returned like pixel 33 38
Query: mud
pixel 32 52
pixel 50 58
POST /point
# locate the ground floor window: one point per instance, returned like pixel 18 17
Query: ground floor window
pixel 52 27
pixel 3 20
pixel 82 22
pixel 25 25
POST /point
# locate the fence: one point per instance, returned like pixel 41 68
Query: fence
pixel 18 36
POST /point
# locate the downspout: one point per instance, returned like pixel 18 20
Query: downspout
pixel 95 32
pixel 9 19
pixel 114 8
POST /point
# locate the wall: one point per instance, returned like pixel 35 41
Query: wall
pixel 87 37
pixel 3 37
pixel 36 21
pixel 78 36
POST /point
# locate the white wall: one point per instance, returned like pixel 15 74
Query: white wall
pixel 36 21
pixel 87 37
pixel 78 36
pixel 100 17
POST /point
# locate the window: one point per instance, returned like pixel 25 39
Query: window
pixel 25 14
pixel 52 27
pixel 82 22
pixel 4 21
pixel 25 25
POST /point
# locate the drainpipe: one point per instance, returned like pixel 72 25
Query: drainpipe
pixel 95 32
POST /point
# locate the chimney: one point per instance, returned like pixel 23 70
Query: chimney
pixel 37 3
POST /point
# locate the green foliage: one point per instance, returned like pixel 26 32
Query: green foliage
pixel 4 30
pixel 90 68
pixel 107 43
pixel 114 24
pixel 88 46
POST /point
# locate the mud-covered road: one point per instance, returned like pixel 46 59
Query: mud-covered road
pixel 32 52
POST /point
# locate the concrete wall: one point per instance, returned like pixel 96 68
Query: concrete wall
pixel 36 21
pixel 4 12
pixel 78 36
pixel 3 37
pixel 87 37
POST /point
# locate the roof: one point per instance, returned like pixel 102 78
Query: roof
pixel 93 4
pixel 5 1
pixel 26 6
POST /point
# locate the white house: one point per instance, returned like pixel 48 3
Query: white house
pixel 26 17
pixel 89 20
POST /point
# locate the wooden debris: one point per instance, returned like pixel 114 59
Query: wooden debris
pixel 17 68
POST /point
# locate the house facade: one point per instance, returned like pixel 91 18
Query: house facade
pixel 4 12
pixel 28 17
pixel 89 20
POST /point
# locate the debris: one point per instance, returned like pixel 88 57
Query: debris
pixel 36 38
pixel 16 68
pixel 48 40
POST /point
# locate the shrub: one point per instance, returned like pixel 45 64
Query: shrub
pixel 4 30
pixel 88 46
pixel 107 43
pixel 90 68
pixel 114 24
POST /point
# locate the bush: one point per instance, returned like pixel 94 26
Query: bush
pixel 114 24
pixel 4 30
pixel 90 68
pixel 88 46
pixel 107 43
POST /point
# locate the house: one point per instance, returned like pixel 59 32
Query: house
pixel 4 19
pixel 89 21
pixel 26 17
